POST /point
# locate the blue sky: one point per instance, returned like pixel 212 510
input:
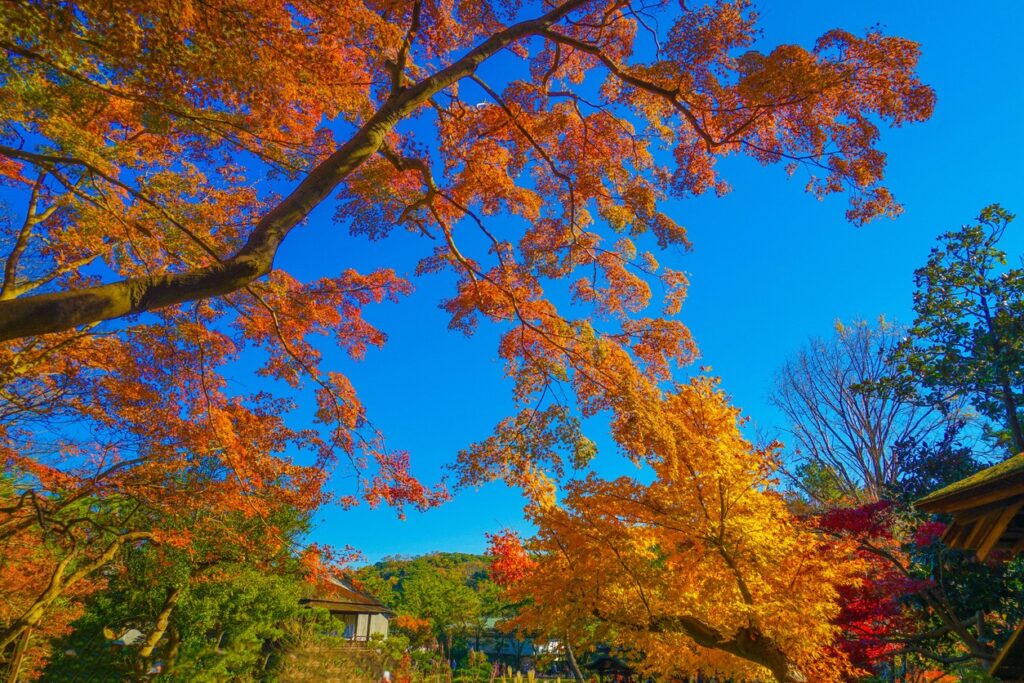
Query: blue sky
pixel 771 266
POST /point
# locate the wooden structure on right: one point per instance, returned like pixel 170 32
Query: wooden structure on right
pixel 988 514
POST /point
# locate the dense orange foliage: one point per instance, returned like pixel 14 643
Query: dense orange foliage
pixel 157 155
pixel 702 570
pixel 510 563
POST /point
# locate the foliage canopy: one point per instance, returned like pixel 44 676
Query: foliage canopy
pixel 158 155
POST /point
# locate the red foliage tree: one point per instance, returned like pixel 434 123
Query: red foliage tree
pixel 874 614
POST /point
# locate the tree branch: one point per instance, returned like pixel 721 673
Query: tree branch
pixel 60 311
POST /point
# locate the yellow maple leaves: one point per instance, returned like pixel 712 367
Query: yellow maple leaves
pixel 702 569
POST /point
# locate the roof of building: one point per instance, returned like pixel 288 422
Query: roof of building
pixel 996 482
pixel 987 509
pixel 344 599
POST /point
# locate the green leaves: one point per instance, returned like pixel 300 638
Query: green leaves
pixel 968 337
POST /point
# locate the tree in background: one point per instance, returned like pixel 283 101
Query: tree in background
pixel 870 442
pixel 445 601
pixel 919 607
pixel 922 605
pixel 27 563
pixel 873 616
pixel 215 628
pixel 932 465
pixel 848 417
pixel 451 596
pixel 65 529
pixel 52 551
pixel 968 337
pixel 206 611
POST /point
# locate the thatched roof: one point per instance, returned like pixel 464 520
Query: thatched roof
pixel 344 599
pixel 987 509
pixel 990 484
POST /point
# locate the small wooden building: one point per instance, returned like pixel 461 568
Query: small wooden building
pixel 988 514
pixel 362 614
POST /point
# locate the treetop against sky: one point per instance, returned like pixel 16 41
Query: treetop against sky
pixel 486 192
pixel 768 269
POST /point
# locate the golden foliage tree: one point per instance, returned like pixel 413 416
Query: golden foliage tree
pixel 702 570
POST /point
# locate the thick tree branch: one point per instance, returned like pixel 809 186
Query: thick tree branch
pixel 159 629
pixel 748 643
pixel 60 311
pixel 59 584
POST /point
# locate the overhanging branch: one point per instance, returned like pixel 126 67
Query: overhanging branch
pixel 61 311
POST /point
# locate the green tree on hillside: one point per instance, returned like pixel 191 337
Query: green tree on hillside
pixel 450 605
pixel 452 591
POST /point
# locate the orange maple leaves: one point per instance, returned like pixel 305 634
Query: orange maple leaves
pixel 510 563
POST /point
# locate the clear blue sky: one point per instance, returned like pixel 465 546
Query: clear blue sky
pixel 771 265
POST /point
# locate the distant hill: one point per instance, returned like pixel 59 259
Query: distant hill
pixel 471 569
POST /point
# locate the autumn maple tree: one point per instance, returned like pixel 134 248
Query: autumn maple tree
pixel 704 570
pixel 875 621
pixel 156 156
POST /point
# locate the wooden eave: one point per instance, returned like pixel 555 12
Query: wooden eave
pixel 988 514
pixel 987 509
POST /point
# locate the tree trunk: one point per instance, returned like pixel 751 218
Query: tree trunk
pixel 173 648
pixel 159 629
pixel 786 671
pixel 14 666
pixel 35 612
pixel 573 665
pixel 755 647
pixel 1006 389
pixel 1012 419
pixel 747 643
